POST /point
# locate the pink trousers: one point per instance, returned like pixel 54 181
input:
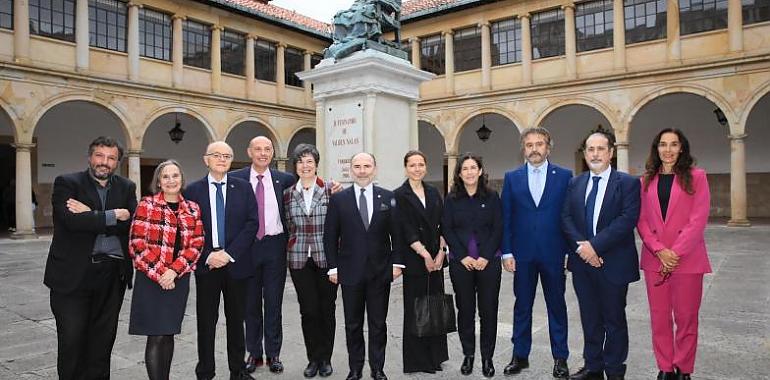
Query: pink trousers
pixel 674 307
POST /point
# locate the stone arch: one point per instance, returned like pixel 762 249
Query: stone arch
pixel 12 117
pixel 275 136
pixel 698 90
pixel 49 104
pixel 760 93
pixel 594 104
pixel 158 112
pixel 295 133
pixel 457 131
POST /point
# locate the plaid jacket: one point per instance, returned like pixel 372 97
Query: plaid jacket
pixel 305 230
pixel 153 234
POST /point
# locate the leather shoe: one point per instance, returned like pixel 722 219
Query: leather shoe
pixel 253 362
pixel 275 365
pixel 515 366
pixel 325 369
pixel 487 368
pixel 379 374
pixel 678 375
pixel 354 375
pixel 560 369
pixel 666 375
pixel 241 376
pixel 615 377
pixel 311 370
pixel 585 374
pixel 467 367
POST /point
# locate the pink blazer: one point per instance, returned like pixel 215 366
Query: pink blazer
pixel 683 229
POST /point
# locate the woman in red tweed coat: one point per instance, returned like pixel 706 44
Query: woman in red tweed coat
pixel 165 242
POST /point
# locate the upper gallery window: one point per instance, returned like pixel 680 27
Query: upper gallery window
pixel 506 41
pixel 467 49
pixel 264 60
pixel 547 34
pixel 52 18
pixel 232 52
pixel 755 11
pixel 432 57
pixel 294 62
pixel 107 24
pixel 593 24
pixel 154 34
pixel 6 14
pixel 702 15
pixel 197 44
pixel 645 20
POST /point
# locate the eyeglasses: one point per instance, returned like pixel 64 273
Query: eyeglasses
pixel 220 156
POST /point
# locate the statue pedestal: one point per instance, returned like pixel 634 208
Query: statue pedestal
pixel 366 102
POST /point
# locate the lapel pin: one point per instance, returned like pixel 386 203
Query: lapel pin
pixel 553 171
pixel 379 196
pixel 483 205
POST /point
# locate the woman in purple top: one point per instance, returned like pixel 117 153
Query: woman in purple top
pixel 472 226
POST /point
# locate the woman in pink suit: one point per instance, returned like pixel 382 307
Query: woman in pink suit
pixel 675 209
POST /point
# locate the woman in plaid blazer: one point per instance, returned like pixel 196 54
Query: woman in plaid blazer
pixel 165 242
pixel 305 205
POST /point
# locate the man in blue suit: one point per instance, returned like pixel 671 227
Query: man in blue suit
pixel 360 241
pixel 228 211
pixel 533 246
pixel 598 218
pixel 268 272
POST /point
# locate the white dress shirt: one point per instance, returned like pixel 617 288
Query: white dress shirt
pixel 213 207
pixel 536 176
pixel 605 177
pixel 369 198
pixel 273 225
pixel 307 197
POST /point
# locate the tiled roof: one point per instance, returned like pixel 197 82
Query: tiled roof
pixel 413 6
pixel 277 12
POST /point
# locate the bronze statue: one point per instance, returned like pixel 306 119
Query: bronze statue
pixel 362 26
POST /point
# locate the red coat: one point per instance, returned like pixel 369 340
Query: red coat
pixel 683 229
pixel 153 235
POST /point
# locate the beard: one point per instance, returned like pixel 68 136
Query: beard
pixel 100 176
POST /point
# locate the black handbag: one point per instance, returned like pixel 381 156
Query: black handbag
pixel 434 314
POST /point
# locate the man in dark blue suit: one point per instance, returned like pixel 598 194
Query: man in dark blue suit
pixel 268 273
pixel 361 247
pixel 534 246
pixel 598 219
pixel 229 214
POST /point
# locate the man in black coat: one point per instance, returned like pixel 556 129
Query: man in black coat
pixel 88 267
pixel 360 235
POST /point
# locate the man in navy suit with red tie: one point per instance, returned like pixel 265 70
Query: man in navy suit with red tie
pixel 362 250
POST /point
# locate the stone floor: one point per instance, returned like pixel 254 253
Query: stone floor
pixel 734 328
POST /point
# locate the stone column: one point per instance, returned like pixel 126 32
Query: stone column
pixel 451 163
pixel 570 48
pixel 449 61
pixel 621 149
pixel 21 31
pixel 250 69
pixel 216 59
pixel 280 163
pixel 306 63
pixel 135 169
pixel 81 36
pixel 280 73
pixel 415 52
pixel 24 217
pixel 133 41
pixel 738 206
pixel 414 127
pixel 526 50
pixel 619 35
pixel 177 55
pixel 673 40
pixel 735 25
pixel 486 56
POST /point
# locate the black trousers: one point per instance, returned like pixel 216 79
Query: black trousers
pixel 87 322
pixel 265 290
pixel 469 285
pixel 372 297
pixel 316 297
pixel 208 288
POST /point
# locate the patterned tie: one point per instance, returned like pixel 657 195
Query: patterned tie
pixel 538 190
pixel 363 209
pixel 260 194
pixel 590 204
pixel 220 214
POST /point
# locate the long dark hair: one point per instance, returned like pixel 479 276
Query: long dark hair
pixel 682 167
pixel 458 187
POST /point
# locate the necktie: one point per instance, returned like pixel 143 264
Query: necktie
pixel 590 204
pixel 363 209
pixel 220 214
pixel 260 194
pixel 538 190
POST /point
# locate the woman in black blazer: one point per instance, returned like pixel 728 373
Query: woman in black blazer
pixel 419 216
pixel 472 225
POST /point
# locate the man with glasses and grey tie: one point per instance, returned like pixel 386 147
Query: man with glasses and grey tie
pixel 598 218
pixel 362 251
pixel 229 215
pixel 534 247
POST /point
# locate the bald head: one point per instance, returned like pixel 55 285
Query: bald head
pixel 260 152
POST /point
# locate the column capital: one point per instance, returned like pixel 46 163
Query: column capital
pixel 281 45
pixel 484 23
pixel 217 27
pixel 737 137
pixel 178 17
pixel 23 147
pixel 447 33
pixel 525 15
pixel 132 4
pixel 414 40
pixel 307 52
pixel 251 36
pixel 568 6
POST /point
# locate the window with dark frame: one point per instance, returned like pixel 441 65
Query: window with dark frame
pixel 155 34
pixel 265 60
pixel 6 14
pixel 755 11
pixel 315 59
pixel 547 34
pixel 107 24
pixel 645 20
pixel 467 49
pixel 593 25
pixel 406 46
pixel 432 58
pixel 196 39
pixel 232 52
pixel 506 41
pixel 697 16
pixel 52 18
pixel 294 62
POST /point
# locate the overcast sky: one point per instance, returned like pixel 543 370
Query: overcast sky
pixel 322 10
